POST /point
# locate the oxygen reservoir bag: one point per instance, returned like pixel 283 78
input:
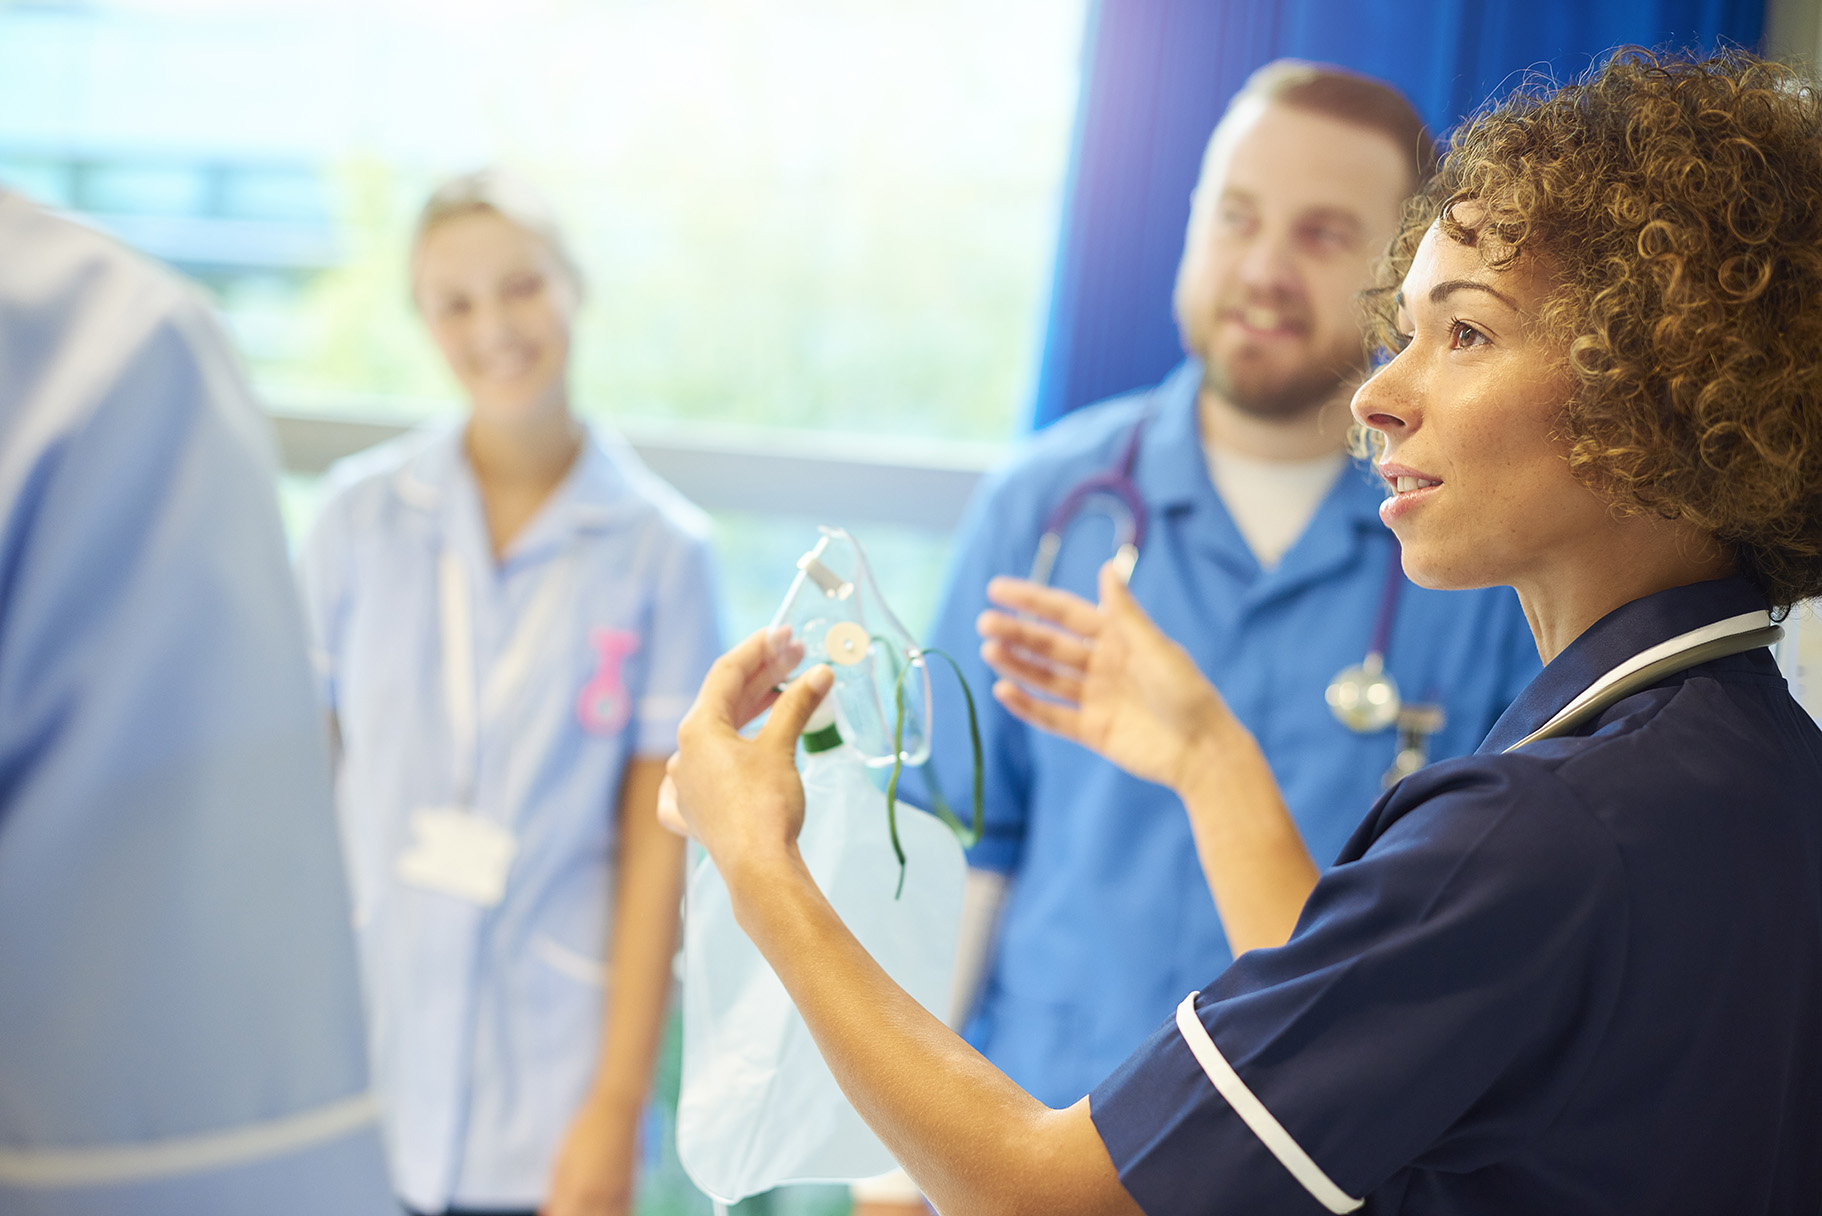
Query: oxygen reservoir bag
pixel 759 1108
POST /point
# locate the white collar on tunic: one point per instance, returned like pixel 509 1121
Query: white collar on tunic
pixel 600 490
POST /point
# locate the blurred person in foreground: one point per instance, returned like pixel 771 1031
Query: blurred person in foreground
pixel 180 1026
pixel 1578 971
pixel 1088 915
pixel 510 615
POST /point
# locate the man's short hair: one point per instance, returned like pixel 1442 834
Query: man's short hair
pixel 1334 92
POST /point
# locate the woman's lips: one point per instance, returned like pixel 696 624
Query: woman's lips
pixel 1409 489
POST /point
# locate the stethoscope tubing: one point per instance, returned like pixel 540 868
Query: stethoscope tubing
pixel 1130 521
pixel 1389 594
pixel 1115 484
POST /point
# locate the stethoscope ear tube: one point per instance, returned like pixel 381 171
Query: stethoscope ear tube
pixel 1125 507
pixel 1046 559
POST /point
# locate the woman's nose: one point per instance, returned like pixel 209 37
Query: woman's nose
pixel 491 325
pixel 1383 404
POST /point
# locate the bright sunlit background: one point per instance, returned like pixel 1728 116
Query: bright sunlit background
pixel 794 213
pixel 817 215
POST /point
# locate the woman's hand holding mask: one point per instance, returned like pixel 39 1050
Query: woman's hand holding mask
pixel 742 797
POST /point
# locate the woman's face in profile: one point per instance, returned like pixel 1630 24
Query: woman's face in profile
pixel 1481 493
pixel 499 306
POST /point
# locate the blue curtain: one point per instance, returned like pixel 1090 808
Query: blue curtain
pixel 1157 74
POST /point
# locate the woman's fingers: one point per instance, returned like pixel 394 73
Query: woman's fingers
pixel 742 683
pixel 1032 637
pixel 726 688
pixel 1061 720
pixel 1116 596
pixel 783 652
pixel 669 813
pixel 1063 608
pixel 794 707
pixel 1123 615
pixel 1052 681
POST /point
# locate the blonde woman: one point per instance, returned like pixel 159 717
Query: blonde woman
pixel 510 614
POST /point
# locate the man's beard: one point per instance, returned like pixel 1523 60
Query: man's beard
pixel 1267 395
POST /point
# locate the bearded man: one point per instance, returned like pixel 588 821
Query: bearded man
pixel 1262 553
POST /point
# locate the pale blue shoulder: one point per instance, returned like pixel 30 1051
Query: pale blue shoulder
pixel 78 310
pixel 668 509
pixel 373 472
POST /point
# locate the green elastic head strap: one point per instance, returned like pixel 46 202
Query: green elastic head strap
pixel 969 834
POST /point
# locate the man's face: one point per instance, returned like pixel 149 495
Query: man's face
pixel 1291 211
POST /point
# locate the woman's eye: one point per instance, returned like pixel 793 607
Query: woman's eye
pixel 523 286
pixel 1463 336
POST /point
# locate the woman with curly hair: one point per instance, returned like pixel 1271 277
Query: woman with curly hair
pixel 1579 971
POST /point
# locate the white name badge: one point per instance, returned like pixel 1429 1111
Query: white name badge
pixel 456 852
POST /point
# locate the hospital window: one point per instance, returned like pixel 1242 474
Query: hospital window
pixel 812 227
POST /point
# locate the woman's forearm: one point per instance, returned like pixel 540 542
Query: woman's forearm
pixel 973 1140
pixel 643 940
pixel 1108 678
pixel 1258 868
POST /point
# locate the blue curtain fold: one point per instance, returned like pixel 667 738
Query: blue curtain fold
pixel 1157 74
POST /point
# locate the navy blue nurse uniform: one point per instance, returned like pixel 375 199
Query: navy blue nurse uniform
pixel 1583 976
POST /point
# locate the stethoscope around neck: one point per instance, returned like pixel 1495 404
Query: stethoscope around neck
pixel 1364 697
pixel 1117 496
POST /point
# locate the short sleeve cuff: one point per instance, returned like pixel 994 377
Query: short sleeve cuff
pixel 1180 1145
pixel 656 723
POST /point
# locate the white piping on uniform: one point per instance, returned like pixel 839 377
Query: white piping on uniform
pixel 117 1163
pixel 664 709
pixel 1745 622
pixel 1252 1112
pixel 572 963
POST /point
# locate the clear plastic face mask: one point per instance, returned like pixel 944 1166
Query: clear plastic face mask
pixel 758 1106
pixel 835 608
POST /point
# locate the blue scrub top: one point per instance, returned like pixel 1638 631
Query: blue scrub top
pixel 1585 976
pixel 1109 920
pixel 487 1020
pixel 180 1021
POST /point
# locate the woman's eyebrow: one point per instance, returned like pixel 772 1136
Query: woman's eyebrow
pixel 1449 287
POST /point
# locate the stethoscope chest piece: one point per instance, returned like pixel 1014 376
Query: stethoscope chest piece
pixel 1416 723
pixel 1365 697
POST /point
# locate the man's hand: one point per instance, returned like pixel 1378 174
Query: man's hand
pixel 741 797
pixel 597 1165
pixel 1109 678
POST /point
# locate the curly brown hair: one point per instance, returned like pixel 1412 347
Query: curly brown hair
pixel 1678 204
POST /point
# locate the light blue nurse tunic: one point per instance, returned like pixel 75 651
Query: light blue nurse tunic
pixel 180 1021
pixel 1108 919
pixel 486 1019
